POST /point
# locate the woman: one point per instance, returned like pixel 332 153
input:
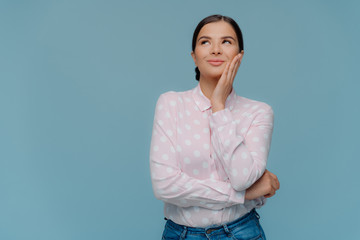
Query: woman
pixel 209 146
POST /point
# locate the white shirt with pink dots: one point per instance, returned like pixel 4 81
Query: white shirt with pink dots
pixel 201 162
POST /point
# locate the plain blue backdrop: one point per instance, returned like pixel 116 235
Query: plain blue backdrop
pixel 78 85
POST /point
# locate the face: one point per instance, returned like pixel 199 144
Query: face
pixel 216 45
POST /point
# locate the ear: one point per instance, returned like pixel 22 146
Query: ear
pixel 193 56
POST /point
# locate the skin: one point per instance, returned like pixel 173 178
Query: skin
pixel 218 40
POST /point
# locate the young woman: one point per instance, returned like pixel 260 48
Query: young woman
pixel 209 146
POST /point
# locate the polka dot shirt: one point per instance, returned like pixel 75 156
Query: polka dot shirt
pixel 202 162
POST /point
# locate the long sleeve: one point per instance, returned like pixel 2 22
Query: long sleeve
pixel 243 158
pixel 170 183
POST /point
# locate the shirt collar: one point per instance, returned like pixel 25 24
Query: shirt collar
pixel 204 103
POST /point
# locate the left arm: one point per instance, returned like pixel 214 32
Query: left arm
pixel 244 158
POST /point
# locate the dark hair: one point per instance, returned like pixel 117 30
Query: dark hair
pixel 216 18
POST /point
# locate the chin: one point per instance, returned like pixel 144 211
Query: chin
pixel 213 72
pixel 213 76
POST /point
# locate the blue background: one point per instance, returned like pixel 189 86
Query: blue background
pixel 78 85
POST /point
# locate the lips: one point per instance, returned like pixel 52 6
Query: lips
pixel 215 62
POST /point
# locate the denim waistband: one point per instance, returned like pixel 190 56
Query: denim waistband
pixel 211 228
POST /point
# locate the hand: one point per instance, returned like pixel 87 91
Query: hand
pixel 264 186
pixel 225 83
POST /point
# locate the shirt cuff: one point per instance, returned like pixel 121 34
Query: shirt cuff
pixel 221 117
pixel 237 197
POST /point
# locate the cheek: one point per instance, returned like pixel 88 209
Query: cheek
pixel 233 52
pixel 200 54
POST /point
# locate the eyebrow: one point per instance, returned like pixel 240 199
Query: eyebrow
pixel 206 37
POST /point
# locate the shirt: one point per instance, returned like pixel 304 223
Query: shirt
pixel 201 163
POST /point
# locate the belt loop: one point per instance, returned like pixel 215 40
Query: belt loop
pixel 256 213
pixel 227 231
pixel 226 228
pixel 183 234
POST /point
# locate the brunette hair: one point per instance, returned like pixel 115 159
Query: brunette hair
pixel 216 18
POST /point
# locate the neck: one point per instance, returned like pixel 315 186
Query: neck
pixel 207 86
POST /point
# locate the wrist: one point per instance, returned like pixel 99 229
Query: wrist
pixel 218 107
pixel 246 195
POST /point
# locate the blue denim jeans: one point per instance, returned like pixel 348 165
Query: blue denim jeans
pixel 245 228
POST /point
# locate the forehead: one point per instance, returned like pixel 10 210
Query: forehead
pixel 217 29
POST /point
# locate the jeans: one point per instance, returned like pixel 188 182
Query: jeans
pixel 246 227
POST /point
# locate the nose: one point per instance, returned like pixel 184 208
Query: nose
pixel 216 49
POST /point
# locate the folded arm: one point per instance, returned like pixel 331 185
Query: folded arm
pixel 170 183
pixel 244 158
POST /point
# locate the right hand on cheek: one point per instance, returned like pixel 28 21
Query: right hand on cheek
pixel 225 83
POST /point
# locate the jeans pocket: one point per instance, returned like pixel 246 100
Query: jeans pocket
pixel 249 230
pixel 170 233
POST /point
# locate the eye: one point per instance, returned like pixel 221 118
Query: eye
pixel 227 41
pixel 204 42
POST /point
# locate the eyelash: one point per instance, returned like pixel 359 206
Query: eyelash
pixel 208 41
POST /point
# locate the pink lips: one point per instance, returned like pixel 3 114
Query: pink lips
pixel 215 62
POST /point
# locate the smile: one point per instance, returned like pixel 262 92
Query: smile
pixel 215 62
